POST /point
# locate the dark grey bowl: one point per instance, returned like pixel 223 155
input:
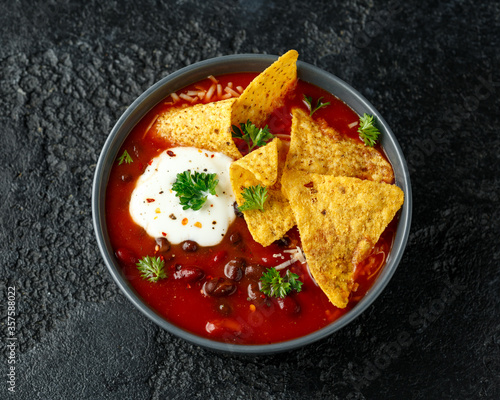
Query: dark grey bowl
pixel 246 63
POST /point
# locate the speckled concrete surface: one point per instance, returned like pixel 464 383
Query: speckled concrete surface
pixel 68 70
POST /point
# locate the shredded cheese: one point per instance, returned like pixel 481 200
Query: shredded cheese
pixel 296 255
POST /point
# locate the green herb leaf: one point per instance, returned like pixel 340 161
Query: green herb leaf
pixel 319 104
pixel 274 285
pixel 253 136
pixel 368 132
pixel 125 157
pixel 191 189
pixel 255 197
pixel 151 268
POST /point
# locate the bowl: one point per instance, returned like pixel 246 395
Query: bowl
pixel 246 63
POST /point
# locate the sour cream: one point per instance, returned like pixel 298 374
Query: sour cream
pixel 155 207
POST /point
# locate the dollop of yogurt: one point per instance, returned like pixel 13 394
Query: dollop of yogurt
pixel 155 207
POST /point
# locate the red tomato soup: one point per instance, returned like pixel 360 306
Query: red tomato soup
pixel 214 291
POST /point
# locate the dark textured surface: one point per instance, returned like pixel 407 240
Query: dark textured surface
pixel 68 70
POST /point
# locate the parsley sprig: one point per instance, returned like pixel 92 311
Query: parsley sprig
pixel 253 136
pixel 275 285
pixel 255 197
pixel 192 188
pixel 125 157
pixel 318 105
pixel 367 130
pixel 152 268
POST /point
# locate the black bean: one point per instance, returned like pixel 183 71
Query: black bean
pixel 225 309
pixel 219 287
pixel 235 238
pixel 163 244
pixel 126 256
pixel 126 178
pixel 189 246
pixel 289 305
pixel 237 211
pixel 253 291
pixel 234 269
pixel 285 241
pixel 254 272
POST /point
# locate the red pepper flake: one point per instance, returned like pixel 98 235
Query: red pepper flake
pixel 164 234
pixel 184 221
pixel 150 162
pixel 309 185
pixel 150 200
pixel 170 153
pixel 212 156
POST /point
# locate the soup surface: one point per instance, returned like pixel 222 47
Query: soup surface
pixel 213 291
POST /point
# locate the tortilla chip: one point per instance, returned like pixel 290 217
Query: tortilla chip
pixel 319 149
pixel 262 166
pixel 266 92
pixel 205 126
pixel 339 219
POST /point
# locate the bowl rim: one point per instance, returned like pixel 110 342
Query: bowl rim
pixel 253 63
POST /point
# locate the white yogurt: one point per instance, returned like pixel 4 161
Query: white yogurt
pixel 155 207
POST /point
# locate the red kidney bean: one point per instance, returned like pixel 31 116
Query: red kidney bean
pixel 222 326
pixel 234 269
pixel 189 246
pixel 220 256
pixel 189 273
pixel 289 305
pixel 163 244
pixel 254 272
pixel 219 287
pixel 126 256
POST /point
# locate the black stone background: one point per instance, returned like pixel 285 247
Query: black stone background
pixel 68 70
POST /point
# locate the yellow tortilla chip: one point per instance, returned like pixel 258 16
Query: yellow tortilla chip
pixel 262 166
pixel 205 126
pixel 340 219
pixel 266 91
pixel 320 149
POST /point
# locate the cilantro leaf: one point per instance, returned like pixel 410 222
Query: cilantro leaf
pixel 253 136
pixel 368 132
pixel 125 157
pixel 255 197
pixel 192 188
pixel 274 285
pixel 152 268
pixel 319 104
